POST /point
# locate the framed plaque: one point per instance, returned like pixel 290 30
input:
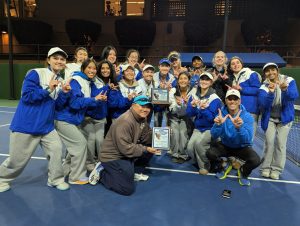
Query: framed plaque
pixel 160 96
pixel 161 138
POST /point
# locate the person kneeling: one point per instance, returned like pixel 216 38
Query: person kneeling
pixel 125 142
pixel 234 125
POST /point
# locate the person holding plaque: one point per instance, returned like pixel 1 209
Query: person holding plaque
pixel 127 140
pixel 203 105
pixel 179 121
pixel 163 80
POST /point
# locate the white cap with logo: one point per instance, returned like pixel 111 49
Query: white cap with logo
pixel 126 66
pixel 148 66
pixel 209 75
pixel 57 50
pixel 270 64
pixel 233 92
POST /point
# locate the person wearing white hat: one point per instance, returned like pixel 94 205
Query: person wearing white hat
pixel 276 100
pixel 33 123
pixel 121 99
pixel 234 126
pixel 203 105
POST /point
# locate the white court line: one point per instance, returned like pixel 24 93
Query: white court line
pixel 231 176
pixel 9 112
pixel 7 107
pixel 40 158
pixel 194 172
pixel 4 125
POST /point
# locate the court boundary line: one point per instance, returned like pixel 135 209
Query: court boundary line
pixel 4 125
pixel 8 112
pixel 230 176
pixel 194 172
pixel 7 107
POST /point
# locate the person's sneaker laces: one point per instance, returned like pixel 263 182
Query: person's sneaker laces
pixel 81 181
pixel 62 186
pixel 243 180
pixel 4 187
pixel 95 174
pixel 140 177
pixel 223 174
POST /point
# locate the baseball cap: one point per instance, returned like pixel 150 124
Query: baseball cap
pixel 207 74
pixel 270 64
pixel 233 92
pixel 148 66
pixel 57 50
pixel 164 61
pixel 142 100
pixel 197 57
pixel 126 66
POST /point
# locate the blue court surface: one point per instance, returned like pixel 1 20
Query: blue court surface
pixel 174 195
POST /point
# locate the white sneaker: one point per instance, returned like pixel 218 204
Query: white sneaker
pixel 265 173
pixel 140 177
pixel 274 175
pixel 95 174
pixel 4 187
pixel 62 186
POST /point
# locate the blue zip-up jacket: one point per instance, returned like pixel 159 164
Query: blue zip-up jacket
pixel 250 81
pixel 99 112
pixel 72 106
pixel 204 118
pixel 35 111
pixel 265 100
pixel 232 137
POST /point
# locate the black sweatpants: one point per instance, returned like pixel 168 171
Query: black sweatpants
pixel 251 158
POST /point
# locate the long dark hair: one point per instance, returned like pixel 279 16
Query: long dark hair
pixel 86 63
pixel 178 92
pixel 112 75
pixel 105 52
pixel 230 72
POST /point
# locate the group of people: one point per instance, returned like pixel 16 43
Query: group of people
pixel 100 114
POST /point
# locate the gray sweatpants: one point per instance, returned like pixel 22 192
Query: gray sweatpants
pixel 93 130
pixel 255 117
pixel 198 146
pixel 76 145
pixel 275 146
pixel 21 148
pixel 179 136
pixel 159 117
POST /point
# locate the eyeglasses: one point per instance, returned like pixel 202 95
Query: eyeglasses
pixel 235 98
